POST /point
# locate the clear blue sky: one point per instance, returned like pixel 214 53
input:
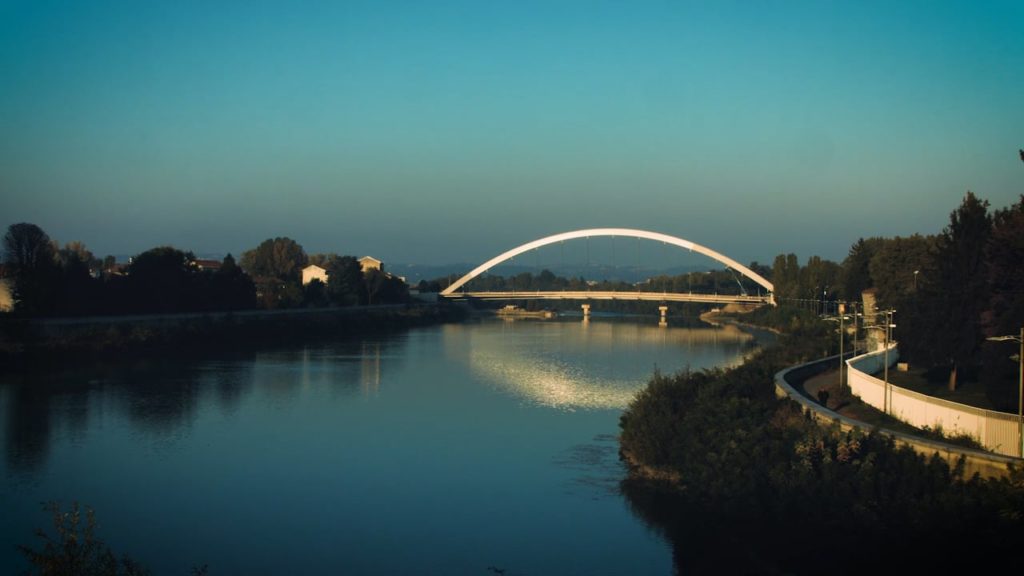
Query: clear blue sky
pixel 440 132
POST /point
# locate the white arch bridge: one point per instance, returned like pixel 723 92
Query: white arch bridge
pixel 452 291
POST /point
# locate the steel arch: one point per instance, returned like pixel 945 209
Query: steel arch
pixel 628 232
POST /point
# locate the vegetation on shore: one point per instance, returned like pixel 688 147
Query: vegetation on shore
pixel 717 447
pixel 25 342
pixel 49 281
pixel 69 304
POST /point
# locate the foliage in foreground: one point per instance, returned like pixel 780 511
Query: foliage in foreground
pixel 75 549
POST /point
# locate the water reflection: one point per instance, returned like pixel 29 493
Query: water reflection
pixel 409 443
pixel 160 396
pixel 589 365
pixel 27 434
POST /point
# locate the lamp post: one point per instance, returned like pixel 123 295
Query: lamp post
pixel 888 336
pixel 842 329
pixel 1020 387
pixel 841 308
pixel 887 332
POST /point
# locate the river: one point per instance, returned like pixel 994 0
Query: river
pixel 483 447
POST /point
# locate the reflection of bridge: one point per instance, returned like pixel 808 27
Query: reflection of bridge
pixel 595 365
pixel 767 298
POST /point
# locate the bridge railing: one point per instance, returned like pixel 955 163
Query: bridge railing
pixel 611 295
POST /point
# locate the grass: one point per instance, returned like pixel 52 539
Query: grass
pixel 969 392
pixel 853 407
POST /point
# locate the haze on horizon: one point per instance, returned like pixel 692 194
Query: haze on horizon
pixel 451 131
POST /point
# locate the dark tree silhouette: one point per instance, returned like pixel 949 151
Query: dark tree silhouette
pixel 32 255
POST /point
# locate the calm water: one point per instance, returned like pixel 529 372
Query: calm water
pixel 458 449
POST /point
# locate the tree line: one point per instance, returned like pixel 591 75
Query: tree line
pixel 950 291
pixel 49 280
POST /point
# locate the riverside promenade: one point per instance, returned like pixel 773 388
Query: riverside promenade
pixel 803 382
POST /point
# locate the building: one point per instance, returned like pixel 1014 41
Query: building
pixel 313 272
pixel 368 263
pixel 6 294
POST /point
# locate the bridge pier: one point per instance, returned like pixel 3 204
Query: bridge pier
pixel 664 311
pixel 586 311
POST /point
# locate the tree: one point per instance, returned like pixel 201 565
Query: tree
pixel 819 278
pixel 954 289
pixel 276 266
pixel 281 258
pixel 786 276
pixel 314 294
pixel 893 266
pixel 383 288
pixel 855 276
pixel 77 289
pixel 1005 314
pixel 1005 257
pixel 345 281
pixel 233 289
pixel 32 255
pixel 161 280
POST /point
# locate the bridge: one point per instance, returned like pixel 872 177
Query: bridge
pixel 452 291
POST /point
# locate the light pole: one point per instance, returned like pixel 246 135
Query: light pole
pixel 841 307
pixel 1020 387
pixel 916 272
pixel 888 336
pixel 842 329
pixel 888 332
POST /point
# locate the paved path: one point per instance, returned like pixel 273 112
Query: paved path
pixel 828 380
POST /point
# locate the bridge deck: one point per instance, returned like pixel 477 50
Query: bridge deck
pixel 627 295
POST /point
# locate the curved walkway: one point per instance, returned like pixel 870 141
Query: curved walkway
pixel 815 375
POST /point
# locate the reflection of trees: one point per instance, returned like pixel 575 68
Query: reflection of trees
pixel 800 533
pixel 231 381
pixel 742 540
pixel 28 426
pixel 346 367
pixel 157 394
pixel 720 540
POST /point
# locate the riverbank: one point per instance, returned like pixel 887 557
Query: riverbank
pixel 719 445
pixel 721 441
pixel 25 342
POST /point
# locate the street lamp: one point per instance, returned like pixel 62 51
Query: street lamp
pixel 842 332
pixel 888 326
pixel 1020 389
pixel 888 336
pixel 916 272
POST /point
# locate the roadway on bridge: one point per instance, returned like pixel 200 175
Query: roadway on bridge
pixel 614 295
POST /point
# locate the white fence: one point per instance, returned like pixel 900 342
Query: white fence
pixel 996 431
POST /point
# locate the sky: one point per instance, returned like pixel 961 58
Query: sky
pixel 441 132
